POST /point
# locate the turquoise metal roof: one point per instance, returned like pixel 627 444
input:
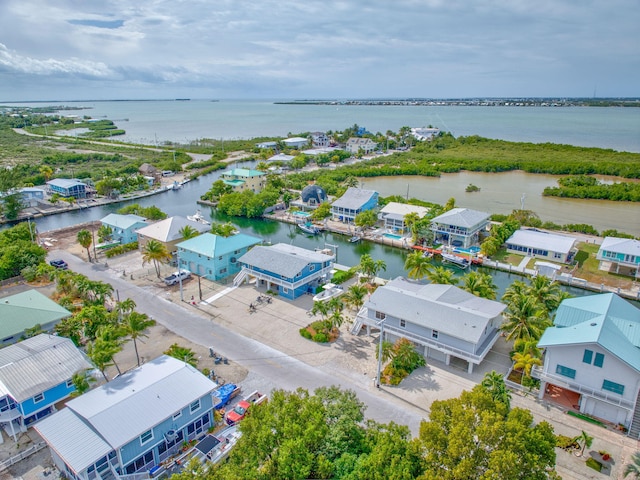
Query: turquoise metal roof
pixel 213 245
pixel 606 320
pixel 245 172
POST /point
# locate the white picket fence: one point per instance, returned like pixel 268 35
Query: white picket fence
pixel 22 455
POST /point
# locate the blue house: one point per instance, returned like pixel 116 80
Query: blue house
pixel 31 196
pixel 291 270
pixel 67 187
pixel 354 201
pixel 35 374
pixel 124 227
pixel 620 255
pixel 213 256
pixel 131 424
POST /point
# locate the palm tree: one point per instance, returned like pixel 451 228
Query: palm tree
pixel 223 229
pixel 125 307
pixel 351 182
pixel 321 308
pixel 547 292
pixel 442 275
pixel 480 284
pixel 47 172
pixel 135 325
pixel 104 233
pixel 355 295
pixel 370 267
pixel 411 221
pixel 155 252
pixel 182 353
pixel 82 381
pixel 585 440
pixel 85 239
pixel 188 232
pixel 450 205
pixel 525 362
pixel 493 383
pixel 417 265
pixel 516 289
pixel 101 353
pixel 387 351
pixel 633 467
pixel 524 319
pixel 525 346
pixel 405 356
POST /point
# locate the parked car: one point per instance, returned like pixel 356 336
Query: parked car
pixel 175 277
pixel 59 263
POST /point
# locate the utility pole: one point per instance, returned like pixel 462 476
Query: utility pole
pixel 381 325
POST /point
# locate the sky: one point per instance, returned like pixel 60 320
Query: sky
pixel 318 49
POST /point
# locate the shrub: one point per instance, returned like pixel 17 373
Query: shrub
pixel 593 463
pixel 121 249
pixel 320 338
pixel 206 372
pixel 305 333
pixel 566 443
pixel 342 276
pixel 30 273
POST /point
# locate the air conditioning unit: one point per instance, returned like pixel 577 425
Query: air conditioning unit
pixel 170 436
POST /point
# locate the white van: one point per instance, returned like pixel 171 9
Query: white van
pixel 167 173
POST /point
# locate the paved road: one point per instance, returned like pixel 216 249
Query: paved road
pixel 276 368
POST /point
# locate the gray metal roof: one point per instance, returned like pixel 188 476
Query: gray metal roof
pixel 133 403
pixel 354 198
pixel 462 217
pixel 548 241
pixel 445 308
pixel 168 229
pixel 37 364
pixel 627 246
pixel 282 259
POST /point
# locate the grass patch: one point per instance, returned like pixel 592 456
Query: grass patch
pixel 505 257
pixel 593 463
pixel 588 268
pixel 586 418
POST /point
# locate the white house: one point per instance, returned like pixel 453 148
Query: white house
pixel 319 139
pixel 592 356
pixel 425 134
pixel 460 227
pixel 442 320
pixel 620 255
pixel 537 244
pixel 296 142
pixel 393 213
pixel 357 144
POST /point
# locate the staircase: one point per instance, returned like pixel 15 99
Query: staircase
pixel 356 327
pixel 237 281
pixel 634 429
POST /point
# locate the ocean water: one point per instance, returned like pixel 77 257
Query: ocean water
pixel 153 122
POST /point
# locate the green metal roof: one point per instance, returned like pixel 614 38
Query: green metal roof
pixel 213 245
pixel 26 310
pixel 606 320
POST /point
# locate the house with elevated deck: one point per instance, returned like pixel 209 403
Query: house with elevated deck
pixel 352 202
pixel 460 227
pixel 124 227
pixel 620 256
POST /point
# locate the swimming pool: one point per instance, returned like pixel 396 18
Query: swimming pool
pixel 300 213
pixel 392 236
pixel 468 251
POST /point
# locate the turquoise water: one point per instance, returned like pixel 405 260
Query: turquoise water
pixel 302 214
pixel 469 250
pixel 392 236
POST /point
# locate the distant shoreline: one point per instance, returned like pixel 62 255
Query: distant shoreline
pixel 477 102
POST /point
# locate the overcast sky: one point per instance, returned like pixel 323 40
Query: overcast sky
pixel 217 49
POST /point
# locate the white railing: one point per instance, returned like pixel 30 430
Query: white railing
pixel 36 447
pixel 539 373
pixel 284 283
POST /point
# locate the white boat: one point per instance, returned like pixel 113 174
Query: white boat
pixel 309 228
pixel 456 260
pixel 330 290
pixel 197 217
pixel 215 448
pixel 354 239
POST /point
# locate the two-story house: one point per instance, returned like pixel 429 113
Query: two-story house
pixel 25 311
pixel 354 201
pixel 241 179
pixel 319 139
pixel 214 257
pixel 393 214
pixel 549 246
pixel 123 227
pixel 35 374
pixel 620 255
pixel 592 358
pixel 291 270
pixel 132 423
pixel 441 320
pixel 459 227
pixel 67 187
pixel 168 232
pixel 364 145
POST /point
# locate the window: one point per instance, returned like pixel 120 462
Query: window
pixel 146 436
pixel 434 334
pixel 599 361
pixel 38 398
pixel 587 356
pixel 380 315
pixel 613 387
pixel 565 371
pixel 69 383
pixel 177 415
pixel 312 268
pixel 194 406
pixel 403 323
pixel 223 270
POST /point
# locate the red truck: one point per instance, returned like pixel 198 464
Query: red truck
pixel 241 409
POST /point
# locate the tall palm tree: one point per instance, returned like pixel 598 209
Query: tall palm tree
pixel 525 362
pixel 155 252
pixel 525 346
pixel 411 221
pixel 355 295
pixel 85 239
pixel 547 292
pixel 223 229
pixel 46 171
pixel 585 440
pixel 417 265
pixel 633 467
pixel 388 351
pixel 480 284
pixel 370 267
pixel 135 325
pixel 183 353
pixel 524 319
pixel 494 384
pixel 188 232
pixel 125 307
pixel 322 309
pixel 101 353
pixel 405 356
pixel 82 381
pixel 442 275
pixel 104 233
pixel 516 289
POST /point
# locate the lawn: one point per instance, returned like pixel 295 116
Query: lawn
pixel 588 268
pixel 504 257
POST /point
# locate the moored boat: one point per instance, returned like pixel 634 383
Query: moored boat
pixel 354 239
pixel 197 217
pixel 309 228
pixel 456 260
pixel 330 290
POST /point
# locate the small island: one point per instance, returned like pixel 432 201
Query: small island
pixel 472 188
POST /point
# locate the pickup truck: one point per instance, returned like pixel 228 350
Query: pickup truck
pixel 242 408
pixel 175 277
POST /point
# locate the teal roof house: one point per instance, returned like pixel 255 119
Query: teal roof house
pixel 241 179
pixel 291 270
pixel 214 257
pixel 354 201
pixel 132 424
pixel 620 255
pixel 35 374
pixel 24 311
pixel 460 227
pixel 124 226
pixel 591 354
